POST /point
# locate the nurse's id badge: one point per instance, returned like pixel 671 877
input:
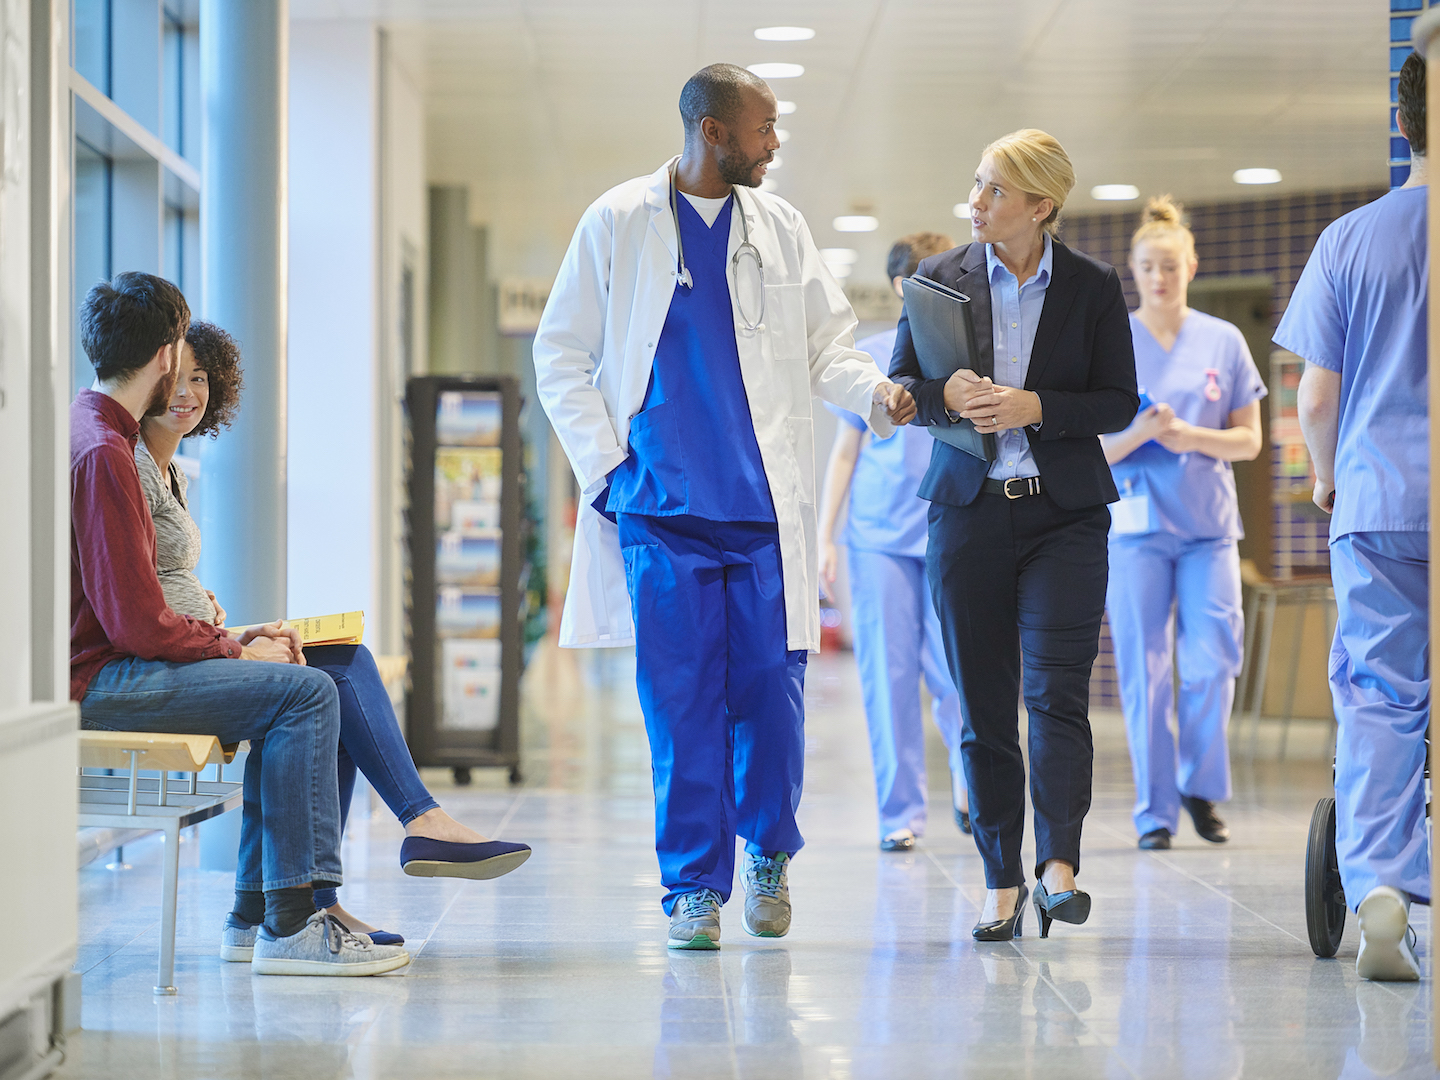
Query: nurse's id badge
pixel 1131 514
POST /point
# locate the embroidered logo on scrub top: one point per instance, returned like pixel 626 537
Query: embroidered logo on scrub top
pixel 1212 388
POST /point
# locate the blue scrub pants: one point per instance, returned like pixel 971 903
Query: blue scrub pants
pixel 897 637
pixel 1380 682
pixel 1201 578
pixel 724 701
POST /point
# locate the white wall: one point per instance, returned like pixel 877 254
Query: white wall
pixel 333 318
pixel 357 221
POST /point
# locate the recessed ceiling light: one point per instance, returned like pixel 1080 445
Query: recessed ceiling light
pixel 1256 176
pixel 775 163
pixel 840 270
pixel 776 71
pixel 782 135
pixel 1114 192
pixel 962 210
pixel 784 33
pixel 785 108
pixel 839 256
pixel 855 223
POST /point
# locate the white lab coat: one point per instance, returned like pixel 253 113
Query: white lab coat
pixel 593 354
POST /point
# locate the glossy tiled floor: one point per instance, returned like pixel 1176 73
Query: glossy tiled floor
pixel 1194 965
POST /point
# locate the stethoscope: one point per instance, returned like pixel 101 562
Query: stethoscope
pixel 746 248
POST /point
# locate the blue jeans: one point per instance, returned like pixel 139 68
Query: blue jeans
pixel 293 712
pixel 369 738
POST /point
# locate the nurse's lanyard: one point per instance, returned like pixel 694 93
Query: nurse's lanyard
pixel 746 248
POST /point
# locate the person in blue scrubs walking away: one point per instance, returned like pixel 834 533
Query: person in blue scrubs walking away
pixel 690 324
pixel 1358 317
pixel 1173 535
pixel 896 633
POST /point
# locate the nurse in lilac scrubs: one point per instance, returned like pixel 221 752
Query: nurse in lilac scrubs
pixel 1173 536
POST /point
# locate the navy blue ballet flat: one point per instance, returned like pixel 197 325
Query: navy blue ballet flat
pixel 422 857
pixel 384 937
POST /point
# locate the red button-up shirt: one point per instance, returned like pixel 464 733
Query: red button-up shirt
pixel 117 608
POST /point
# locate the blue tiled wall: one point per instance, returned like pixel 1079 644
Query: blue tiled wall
pixel 1402 17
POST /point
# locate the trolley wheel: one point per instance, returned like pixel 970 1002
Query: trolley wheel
pixel 462 775
pixel 1324 895
pixel 515 776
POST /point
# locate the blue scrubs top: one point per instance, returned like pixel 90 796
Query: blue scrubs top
pixel 885 514
pixel 1360 308
pixel 692 446
pixel 1206 375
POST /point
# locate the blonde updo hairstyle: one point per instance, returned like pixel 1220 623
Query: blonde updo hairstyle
pixel 1037 164
pixel 1163 222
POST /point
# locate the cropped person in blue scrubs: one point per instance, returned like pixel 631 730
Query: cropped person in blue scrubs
pixel 1173 534
pixel 897 636
pixel 1359 318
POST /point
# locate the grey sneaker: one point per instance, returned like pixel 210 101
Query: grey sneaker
pixel 1387 944
pixel 324 947
pixel 695 921
pixel 767 895
pixel 238 942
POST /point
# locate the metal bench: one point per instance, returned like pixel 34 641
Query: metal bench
pixel 160 803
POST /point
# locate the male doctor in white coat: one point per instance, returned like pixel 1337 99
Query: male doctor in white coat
pixel 690 324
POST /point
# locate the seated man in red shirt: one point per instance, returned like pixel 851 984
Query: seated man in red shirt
pixel 135 665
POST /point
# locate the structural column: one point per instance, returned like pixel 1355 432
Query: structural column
pixel 244 60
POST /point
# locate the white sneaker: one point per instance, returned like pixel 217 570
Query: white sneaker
pixel 1387 944
pixel 324 947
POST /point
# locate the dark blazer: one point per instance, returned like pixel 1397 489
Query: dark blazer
pixel 1082 366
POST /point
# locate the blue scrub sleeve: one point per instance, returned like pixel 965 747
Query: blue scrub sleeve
pixel 853 419
pixel 1313 326
pixel 1246 383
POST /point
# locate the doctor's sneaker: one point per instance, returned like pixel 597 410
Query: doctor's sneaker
pixel 238 943
pixel 1207 821
pixel 767 895
pixel 695 920
pixel 324 947
pixel 1387 944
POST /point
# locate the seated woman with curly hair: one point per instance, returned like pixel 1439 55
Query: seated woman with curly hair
pixel 207 393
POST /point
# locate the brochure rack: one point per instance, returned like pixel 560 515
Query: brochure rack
pixel 465 574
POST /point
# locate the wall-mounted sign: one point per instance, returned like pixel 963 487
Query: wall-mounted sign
pixel 873 303
pixel 521 302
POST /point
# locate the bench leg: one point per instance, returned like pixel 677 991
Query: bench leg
pixel 166 983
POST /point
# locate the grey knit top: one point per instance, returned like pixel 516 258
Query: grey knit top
pixel 177 537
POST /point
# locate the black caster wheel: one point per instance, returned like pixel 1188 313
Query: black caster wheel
pixel 462 775
pixel 1324 895
pixel 515 776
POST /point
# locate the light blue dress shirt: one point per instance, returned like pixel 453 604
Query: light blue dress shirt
pixel 1014 315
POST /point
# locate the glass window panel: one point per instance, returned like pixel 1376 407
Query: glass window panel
pixel 93 184
pixel 173 84
pixel 90 32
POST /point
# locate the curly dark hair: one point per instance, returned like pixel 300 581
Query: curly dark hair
pixel 218 355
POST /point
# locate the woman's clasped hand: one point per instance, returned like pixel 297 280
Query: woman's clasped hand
pixel 991 408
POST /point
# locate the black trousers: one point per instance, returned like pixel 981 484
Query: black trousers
pixel 1013 578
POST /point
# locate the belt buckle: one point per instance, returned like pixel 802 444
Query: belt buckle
pixel 1031 486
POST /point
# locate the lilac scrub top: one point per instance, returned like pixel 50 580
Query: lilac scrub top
pixel 1206 375
pixel 1360 308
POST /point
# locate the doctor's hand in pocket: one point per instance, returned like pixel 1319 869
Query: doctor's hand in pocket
pixel 898 404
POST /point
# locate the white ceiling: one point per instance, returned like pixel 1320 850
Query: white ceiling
pixel 539 105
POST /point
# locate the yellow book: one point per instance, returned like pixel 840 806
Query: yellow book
pixel 347 628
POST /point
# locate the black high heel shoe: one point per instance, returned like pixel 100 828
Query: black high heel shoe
pixel 1072 906
pixel 1004 929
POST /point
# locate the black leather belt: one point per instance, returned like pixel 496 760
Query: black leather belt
pixel 1015 488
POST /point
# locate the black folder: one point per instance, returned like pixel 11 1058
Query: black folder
pixel 943 330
